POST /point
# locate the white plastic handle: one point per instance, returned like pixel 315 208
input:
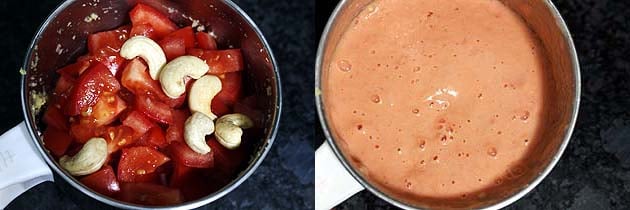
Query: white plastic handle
pixel 333 183
pixel 21 165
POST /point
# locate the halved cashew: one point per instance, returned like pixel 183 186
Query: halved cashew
pixel 173 74
pixel 201 94
pixel 148 50
pixel 229 129
pixel 196 128
pixel 89 160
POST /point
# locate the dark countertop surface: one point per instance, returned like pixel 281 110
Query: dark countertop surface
pixel 285 178
pixel 594 172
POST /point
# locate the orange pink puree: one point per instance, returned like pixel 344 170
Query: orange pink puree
pixel 435 98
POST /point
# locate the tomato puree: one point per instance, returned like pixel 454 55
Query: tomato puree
pixel 436 99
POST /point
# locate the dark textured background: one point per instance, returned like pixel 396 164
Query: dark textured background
pixel 285 178
pixel 594 172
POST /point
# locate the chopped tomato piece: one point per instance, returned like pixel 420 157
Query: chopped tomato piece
pixel 136 79
pixel 185 34
pixel 175 131
pixel 83 131
pixel 57 141
pixel 103 181
pixel 118 137
pixel 113 62
pixel 230 88
pixel 75 69
pixel 206 41
pixel 182 154
pixel 175 44
pixel 219 108
pixel 154 109
pixel 143 30
pixel 88 89
pixel 220 61
pixel 64 84
pixel 150 194
pixel 153 138
pixel 138 122
pixel 107 42
pixel 181 173
pixel 55 118
pixel 144 14
pixel 226 161
pixel 173 47
pixel 191 181
pixel 174 102
pixel 105 46
pixel 107 108
pixel 138 161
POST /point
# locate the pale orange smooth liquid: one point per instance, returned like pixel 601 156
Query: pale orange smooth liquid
pixel 436 98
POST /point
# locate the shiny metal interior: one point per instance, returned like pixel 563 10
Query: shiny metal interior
pixel 63 37
pixel 562 104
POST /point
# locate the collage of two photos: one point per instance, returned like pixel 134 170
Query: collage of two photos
pixel 326 104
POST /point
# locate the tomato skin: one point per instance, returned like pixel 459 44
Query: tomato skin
pixel 153 138
pixel 176 43
pixel 182 154
pixel 143 30
pixel 55 118
pixel 89 87
pixel 186 34
pixel 149 194
pixel 206 41
pixel 138 122
pixel 154 109
pixel 103 181
pixel 173 47
pixel 144 14
pixel 137 162
pixel 57 141
pixel 220 61
pixel 230 88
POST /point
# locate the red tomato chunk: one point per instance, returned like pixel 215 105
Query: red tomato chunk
pixel 136 162
pixel 103 181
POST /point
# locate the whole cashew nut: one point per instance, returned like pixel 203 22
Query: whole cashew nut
pixel 201 94
pixel 148 50
pixel 196 128
pixel 173 74
pixel 88 160
pixel 229 129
